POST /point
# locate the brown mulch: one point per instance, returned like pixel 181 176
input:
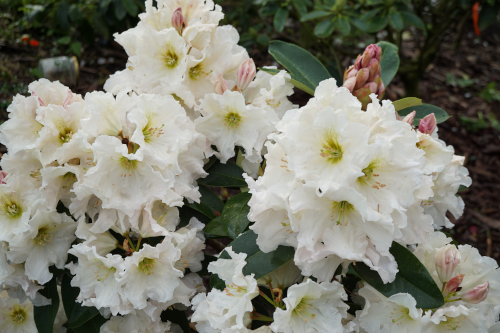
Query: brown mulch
pixel 476 57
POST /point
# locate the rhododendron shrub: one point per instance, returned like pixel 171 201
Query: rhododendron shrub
pixel 110 221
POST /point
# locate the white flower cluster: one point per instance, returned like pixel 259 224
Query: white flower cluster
pixel 121 162
pixel 341 184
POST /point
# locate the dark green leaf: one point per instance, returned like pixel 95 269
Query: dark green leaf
pixel 412 278
pixel 120 11
pixel 404 103
pixel 64 40
pixel 91 326
pixel 424 110
pixel 210 199
pixel 376 24
pixel 224 175
pixel 301 64
pixel 360 24
pixel 295 83
pixel 104 3
pixel 314 15
pixel 324 28
pixel 216 282
pixel 234 215
pixel 100 25
pixel 46 315
pixel 75 14
pixel 76 48
pixel 413 19
pixel 76 313
pixel 130 7
pixel 396 21
pixel 62 15
pixel 344 26
pixel 368 15
pixel 177 317
pixel 216 228
pixel 280 19
pixel 488 14
pixel 389 64
pixel 301 7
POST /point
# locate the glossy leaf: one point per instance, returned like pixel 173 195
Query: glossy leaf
pixel 258 262
pixel 120 11
pixel 376 24
pixel 324 28
pixel 295 83
pixel 131 7
pixel 76 313
pixel 412 278
pixel 46 315
pixel 360 24
pixel 210 199
pixel 413 19
pixel 404 103
pixel 234 215
pixel 216 228
pixel 301 64
pixel 395 20
pixel 224 175
pixel 301 7
pixel 280 19
pixel 368 15
pixel 62 15
pixel 389 63
pixel 344 26
pixel 314 15
pixel 424 110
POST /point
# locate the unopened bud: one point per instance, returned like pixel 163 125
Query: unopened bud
pixel 246 73
pixel 477 294
pixel 409 117
pixel 374 68
pixel 447 258
pixel 428 124
pixel 363 95
pixel 453 284
pixel 220 85
pixel 178 20
pixel 361 77
pixel 350 83
pixel 3 174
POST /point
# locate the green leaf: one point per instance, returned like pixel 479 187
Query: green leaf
pixel 376 24
pixel 224 175
pixel 76 313
pixel 301 64
pixel 91 326
pixel 413 19
pixel 301 7
pixel 216 282
pixel 104 3
pixel 294 81
pixel 100 25
pixel 368 15
pixel 424 110
pixel 210 199
pixel 62 15
pixel 75 14
pixel 344 26
pixel 258 262
pixel 280 19
pixel 488 15
pixel 177 317
pixel 412 278
pixel 395 20
pixel 216 228
pixel 76 48
pixel 404 103
pixel 131 7
pixel 314 15
pixel 64 40
pixel 234 215
pixel 120 11
pixel 360 24
pixel 324 28
pixel 389 64
pixel 46 315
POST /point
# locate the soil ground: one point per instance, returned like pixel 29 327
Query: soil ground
pixel 477 140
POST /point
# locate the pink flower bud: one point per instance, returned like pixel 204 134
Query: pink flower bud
pixel 374 67
pixel 447 258
pixel 178 20
pixel 350 83
pixel 350 72
pixel 373 87
pixel 381 90
pixel 3 174
pixel 409 117
pixel 453 284
pixel 363 95
pixel 246 73
pixel 428 124
pixel 220 85
pixel 372 51
pixel 477 294
pixel 361 78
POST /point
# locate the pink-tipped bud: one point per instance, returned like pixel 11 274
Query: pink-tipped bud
pixel 350 72
pixel 220 85
pixel 409 117
pixel 372 51
pixel 350 83
pixel 374 68
pixel 373 87
pixel 447 258
pixel 363 95
pixel 477 294
pixel 3 174
pixel 428 124
pixel 453 284
pixel 361 77
pixel 246 73
pixel 178 20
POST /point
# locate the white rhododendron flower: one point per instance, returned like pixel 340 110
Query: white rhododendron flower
pixel 312 307
pixel 16 316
